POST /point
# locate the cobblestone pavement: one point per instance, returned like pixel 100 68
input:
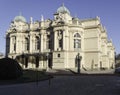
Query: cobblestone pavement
pixel 67 85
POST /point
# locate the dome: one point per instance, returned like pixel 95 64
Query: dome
pixel 20 18
pixel 63 9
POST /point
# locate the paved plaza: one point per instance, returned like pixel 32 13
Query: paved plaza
pixel 67 85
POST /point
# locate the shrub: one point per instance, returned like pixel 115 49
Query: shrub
pixel 10 69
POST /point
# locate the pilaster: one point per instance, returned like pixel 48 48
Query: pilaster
pixel 64 40
pixel 55 41
pixel 67 40
pixel 17 45
pixel 31 43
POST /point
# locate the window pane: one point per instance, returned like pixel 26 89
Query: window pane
pixel 77 43
pixel 26 44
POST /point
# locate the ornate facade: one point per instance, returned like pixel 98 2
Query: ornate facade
pixel 56 43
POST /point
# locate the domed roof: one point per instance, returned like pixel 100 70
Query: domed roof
pixel 20 18
pixel 63 9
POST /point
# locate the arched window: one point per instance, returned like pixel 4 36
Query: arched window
pixel 26 44
pixel 37 43
pixel 77 41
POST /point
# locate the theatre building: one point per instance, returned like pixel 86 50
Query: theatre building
pixel 60 42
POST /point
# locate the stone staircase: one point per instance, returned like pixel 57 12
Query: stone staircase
pixel 59 71
pixel 73 71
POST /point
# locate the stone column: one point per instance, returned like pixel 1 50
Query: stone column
pixel 64 40
pixel 67 48
pixel 67 40
pixel 41 42
pixel 17 45
pixel 44 42
pixel 31 43
pixel 23 45
pixel 20 43
pixel 55 41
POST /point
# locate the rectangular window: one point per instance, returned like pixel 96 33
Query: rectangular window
pixel 14 47
pixel 58 55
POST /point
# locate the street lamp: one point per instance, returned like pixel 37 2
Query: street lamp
pixel 78 57
pixel 37 61
pixel 37 65
pixel 23 59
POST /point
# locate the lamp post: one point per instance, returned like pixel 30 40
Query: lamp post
pixel 37 65
pixel 23 59
pixel 78 62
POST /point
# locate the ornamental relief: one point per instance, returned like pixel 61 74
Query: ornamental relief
pixel 60 19
pixel 14 27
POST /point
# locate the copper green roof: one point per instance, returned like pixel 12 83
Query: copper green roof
pixel 63 9
pixel 20 18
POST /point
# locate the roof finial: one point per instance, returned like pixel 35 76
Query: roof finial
pixel 42 18
pixel 20 13
pixel 31 20
pixel 111 39
pixel 63 4
pixel 75 15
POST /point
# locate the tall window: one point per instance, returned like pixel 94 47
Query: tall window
pixel 60 43
pixel 77 41
pixel 15 47
pixel 37 43
pixel 14 43
pixel 26 44
pixel 48 42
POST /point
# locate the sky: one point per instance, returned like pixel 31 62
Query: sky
pixel 107 10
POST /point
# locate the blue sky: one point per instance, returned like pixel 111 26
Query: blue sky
pixel 107 10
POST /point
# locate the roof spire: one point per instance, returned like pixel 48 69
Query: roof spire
pixel 63 9
pixel 63 4
pixel 75 15
pixel 42 18
pixel 20 13
pixel 31 20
